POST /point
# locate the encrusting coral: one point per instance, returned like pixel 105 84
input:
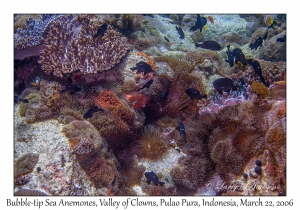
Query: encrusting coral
pixel 69 46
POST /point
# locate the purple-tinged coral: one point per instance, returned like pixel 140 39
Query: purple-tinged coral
pixel 69 46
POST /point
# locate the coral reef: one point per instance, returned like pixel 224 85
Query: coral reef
pixel 77 49
pixel 147 120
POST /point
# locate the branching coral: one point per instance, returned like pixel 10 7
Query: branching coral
pixel 69 46
pixel 25 164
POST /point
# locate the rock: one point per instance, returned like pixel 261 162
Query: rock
pixel 273 50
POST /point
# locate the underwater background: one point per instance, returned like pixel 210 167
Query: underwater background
pixel 150 104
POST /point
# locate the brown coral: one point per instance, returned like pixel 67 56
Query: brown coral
pixel 69 46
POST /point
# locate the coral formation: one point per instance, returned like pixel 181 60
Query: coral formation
pixel 77 49
pixel 147 120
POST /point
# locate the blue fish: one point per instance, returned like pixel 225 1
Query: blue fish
pixel 152 177
pixel 165 94
pixel 147 85
pixel 210 45
pixel 101 30
pixel 194 94
pixel 230 56
pixel 199 24
pixel 224 84
pixel 142 67
pixel 180 32
pixel 182 131
pixel 89 113
pixel 282 39
pixel 257 69
pixel 258 42
pixel 240 57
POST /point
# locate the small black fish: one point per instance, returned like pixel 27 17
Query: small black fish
pixel 257 69
pixel 142 67
pixel 101 30
pixel 166 39
pixel 230 57
pixel 147 85
pixel 72 89
pixel 224 84
pixel 240 57
pixel 165 94
pixel 152 177
pixel 89 113
pixel 193 93
pixel 180 32
pixel 199 24
pixel 257 43
pixel 266 35
pixel 283 39
pixel 182 131
pixel 211 45
pixel 148 15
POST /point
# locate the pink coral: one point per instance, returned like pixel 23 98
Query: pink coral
pixel 69 46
